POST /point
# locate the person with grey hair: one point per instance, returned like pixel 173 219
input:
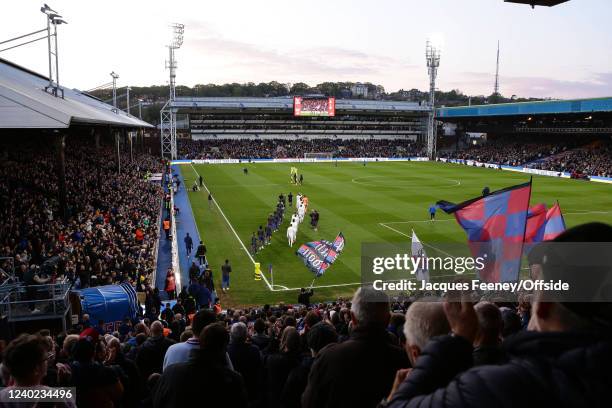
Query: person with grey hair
pixel 424 320
pixel 487 344
pixel 360 371
pixel 246 360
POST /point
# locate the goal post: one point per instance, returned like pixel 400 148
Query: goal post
pixel 319 155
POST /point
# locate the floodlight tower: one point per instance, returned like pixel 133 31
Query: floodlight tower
pixel 53 19
pixel 127 95
pixel 114 76
pixel 432 56
pixel 168 113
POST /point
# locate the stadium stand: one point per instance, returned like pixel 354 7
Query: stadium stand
pixel 284 148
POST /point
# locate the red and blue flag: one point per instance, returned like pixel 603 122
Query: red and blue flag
pixel 555 224
pixel 495 225
pixel 536 224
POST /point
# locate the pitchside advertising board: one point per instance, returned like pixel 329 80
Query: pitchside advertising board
pixel 303 106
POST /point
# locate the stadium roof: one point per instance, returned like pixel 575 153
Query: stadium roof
pixel 186 104
pixel 576 106
pixel 532 3
pixel 24 104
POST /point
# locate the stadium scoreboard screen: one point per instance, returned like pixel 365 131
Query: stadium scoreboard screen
pixel 320 106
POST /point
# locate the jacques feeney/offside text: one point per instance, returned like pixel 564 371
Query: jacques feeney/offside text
pixel 523 285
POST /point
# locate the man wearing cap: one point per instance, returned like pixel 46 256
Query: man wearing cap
pixel 562 361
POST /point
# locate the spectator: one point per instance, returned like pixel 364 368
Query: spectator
pixel 512 322
pixel 342 375
pixel 278 365
pixel 97 386
pixel 246 360
pixel 260 338
pixel 487 344
pixel 178 307
pixel 205 376
pixel 25 360
pixel 424 320
pixel 167 314
pixel 131 380
pixel 151 357
pixel 319 336
pixel 180 352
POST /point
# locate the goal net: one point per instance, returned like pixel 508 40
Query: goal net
pixel 327 156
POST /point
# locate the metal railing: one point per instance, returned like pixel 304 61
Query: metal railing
pixel 36 302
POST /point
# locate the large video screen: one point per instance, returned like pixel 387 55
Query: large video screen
pixel 314 106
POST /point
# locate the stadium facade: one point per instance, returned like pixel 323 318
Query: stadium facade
pixel 273 118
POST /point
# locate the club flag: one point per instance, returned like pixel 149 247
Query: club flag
pixel 495 225
pixel 555 224
pixel 418 251
pixel 319 255
pixel 536 223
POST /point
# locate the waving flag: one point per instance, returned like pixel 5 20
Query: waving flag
pixel 536 223
pixel 319 255
pixel 422 274
pixel 495 225
pixel 555 224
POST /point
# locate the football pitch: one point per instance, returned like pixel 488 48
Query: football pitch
pixel 381 202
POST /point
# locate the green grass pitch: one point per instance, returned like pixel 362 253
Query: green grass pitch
pixel 379 202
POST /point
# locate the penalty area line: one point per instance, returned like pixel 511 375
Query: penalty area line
pixel 410 236
pixel 234 231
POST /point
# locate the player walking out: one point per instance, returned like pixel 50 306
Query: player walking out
pixel 432 212
pixel 253 244
pixel 301 179
pixel 261 237
pixel 210 201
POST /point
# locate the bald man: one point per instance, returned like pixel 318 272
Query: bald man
pixel 151 358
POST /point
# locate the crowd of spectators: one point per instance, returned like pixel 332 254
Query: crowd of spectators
pixel 507 152
pixel 590 160
pixel 367 352
pixel 572 154
pixel 284 148
pixel 110 230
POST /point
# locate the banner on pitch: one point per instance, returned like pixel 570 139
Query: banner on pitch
pixel 319 255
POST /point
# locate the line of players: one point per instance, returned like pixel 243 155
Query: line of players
pixel 298 217
pixel 263 236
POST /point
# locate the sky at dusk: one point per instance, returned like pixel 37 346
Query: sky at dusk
pixel 560 52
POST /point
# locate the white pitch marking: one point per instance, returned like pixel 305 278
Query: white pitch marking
pixel 410 236
pixel 234 231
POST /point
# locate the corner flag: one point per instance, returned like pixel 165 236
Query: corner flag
pixel 422 274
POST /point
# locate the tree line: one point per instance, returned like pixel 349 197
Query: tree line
pixel 155 96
